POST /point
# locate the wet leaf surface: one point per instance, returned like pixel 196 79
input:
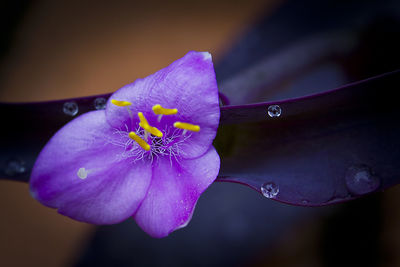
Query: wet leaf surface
pixel 322 149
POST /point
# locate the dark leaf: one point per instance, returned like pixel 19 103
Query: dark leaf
pixel 28 126
pixel 322 149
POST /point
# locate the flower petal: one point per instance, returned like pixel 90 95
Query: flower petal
pixel 188 84
pixel 174 191
pixel 81 173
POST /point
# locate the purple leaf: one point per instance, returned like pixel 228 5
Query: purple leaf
pixel 28 126
pixel 309 152
pixel 321 149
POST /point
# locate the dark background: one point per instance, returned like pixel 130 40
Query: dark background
pixel 60 49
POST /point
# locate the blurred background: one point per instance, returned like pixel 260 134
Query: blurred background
pixel 262 50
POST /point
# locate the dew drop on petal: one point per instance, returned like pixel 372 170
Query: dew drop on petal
pixel 269 190
pixel 274 111
pixel 360 180
pixel 70 108
pixel 82 173
pixel 15 167
pixel 100 103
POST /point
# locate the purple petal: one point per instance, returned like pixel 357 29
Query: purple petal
pixel 113 188
pixel 174 191
pixel 189 85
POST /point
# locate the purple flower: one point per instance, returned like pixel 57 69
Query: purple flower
pixel 148 155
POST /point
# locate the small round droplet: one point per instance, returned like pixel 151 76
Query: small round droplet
pixel 100 103
pixel 15 167
pixel 269 190
pixel 274 111
pixel 360 180
pixel 70 108
pixel 82 173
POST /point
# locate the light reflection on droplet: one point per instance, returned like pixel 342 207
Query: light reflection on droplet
pixel 82 173
pixel 100 103
pixel 360 180
pixel 274 111
pixel 70 108
pixel 269 190
pixel 15 167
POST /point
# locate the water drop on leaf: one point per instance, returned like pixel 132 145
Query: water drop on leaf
pixel 100 103
pixel 360 180
pixel 269 190
pixel 274 111
pixel 70 108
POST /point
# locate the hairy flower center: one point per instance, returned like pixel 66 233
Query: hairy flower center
pixel 167 145
pixel 145 141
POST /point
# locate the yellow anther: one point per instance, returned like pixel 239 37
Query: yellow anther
pixel 187 126
pixel 146 126
pixel 140 141
pixel 154 131
pixel 121 103
pixel 159 110
pixel 143 120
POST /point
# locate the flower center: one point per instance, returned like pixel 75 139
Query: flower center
pixel 147 141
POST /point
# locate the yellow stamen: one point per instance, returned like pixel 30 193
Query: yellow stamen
pixel 121 103
pixel 140 141
pixel 146 126
pixel 187 126
pixel 154 131
pixel 143 120
pixel 159 110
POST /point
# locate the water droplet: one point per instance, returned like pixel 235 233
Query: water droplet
pixel 274 111
pixel 269 190
pixel 360 180
pixel 82 173
pixel 70 108
pixel 15 167
pixel 100 103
